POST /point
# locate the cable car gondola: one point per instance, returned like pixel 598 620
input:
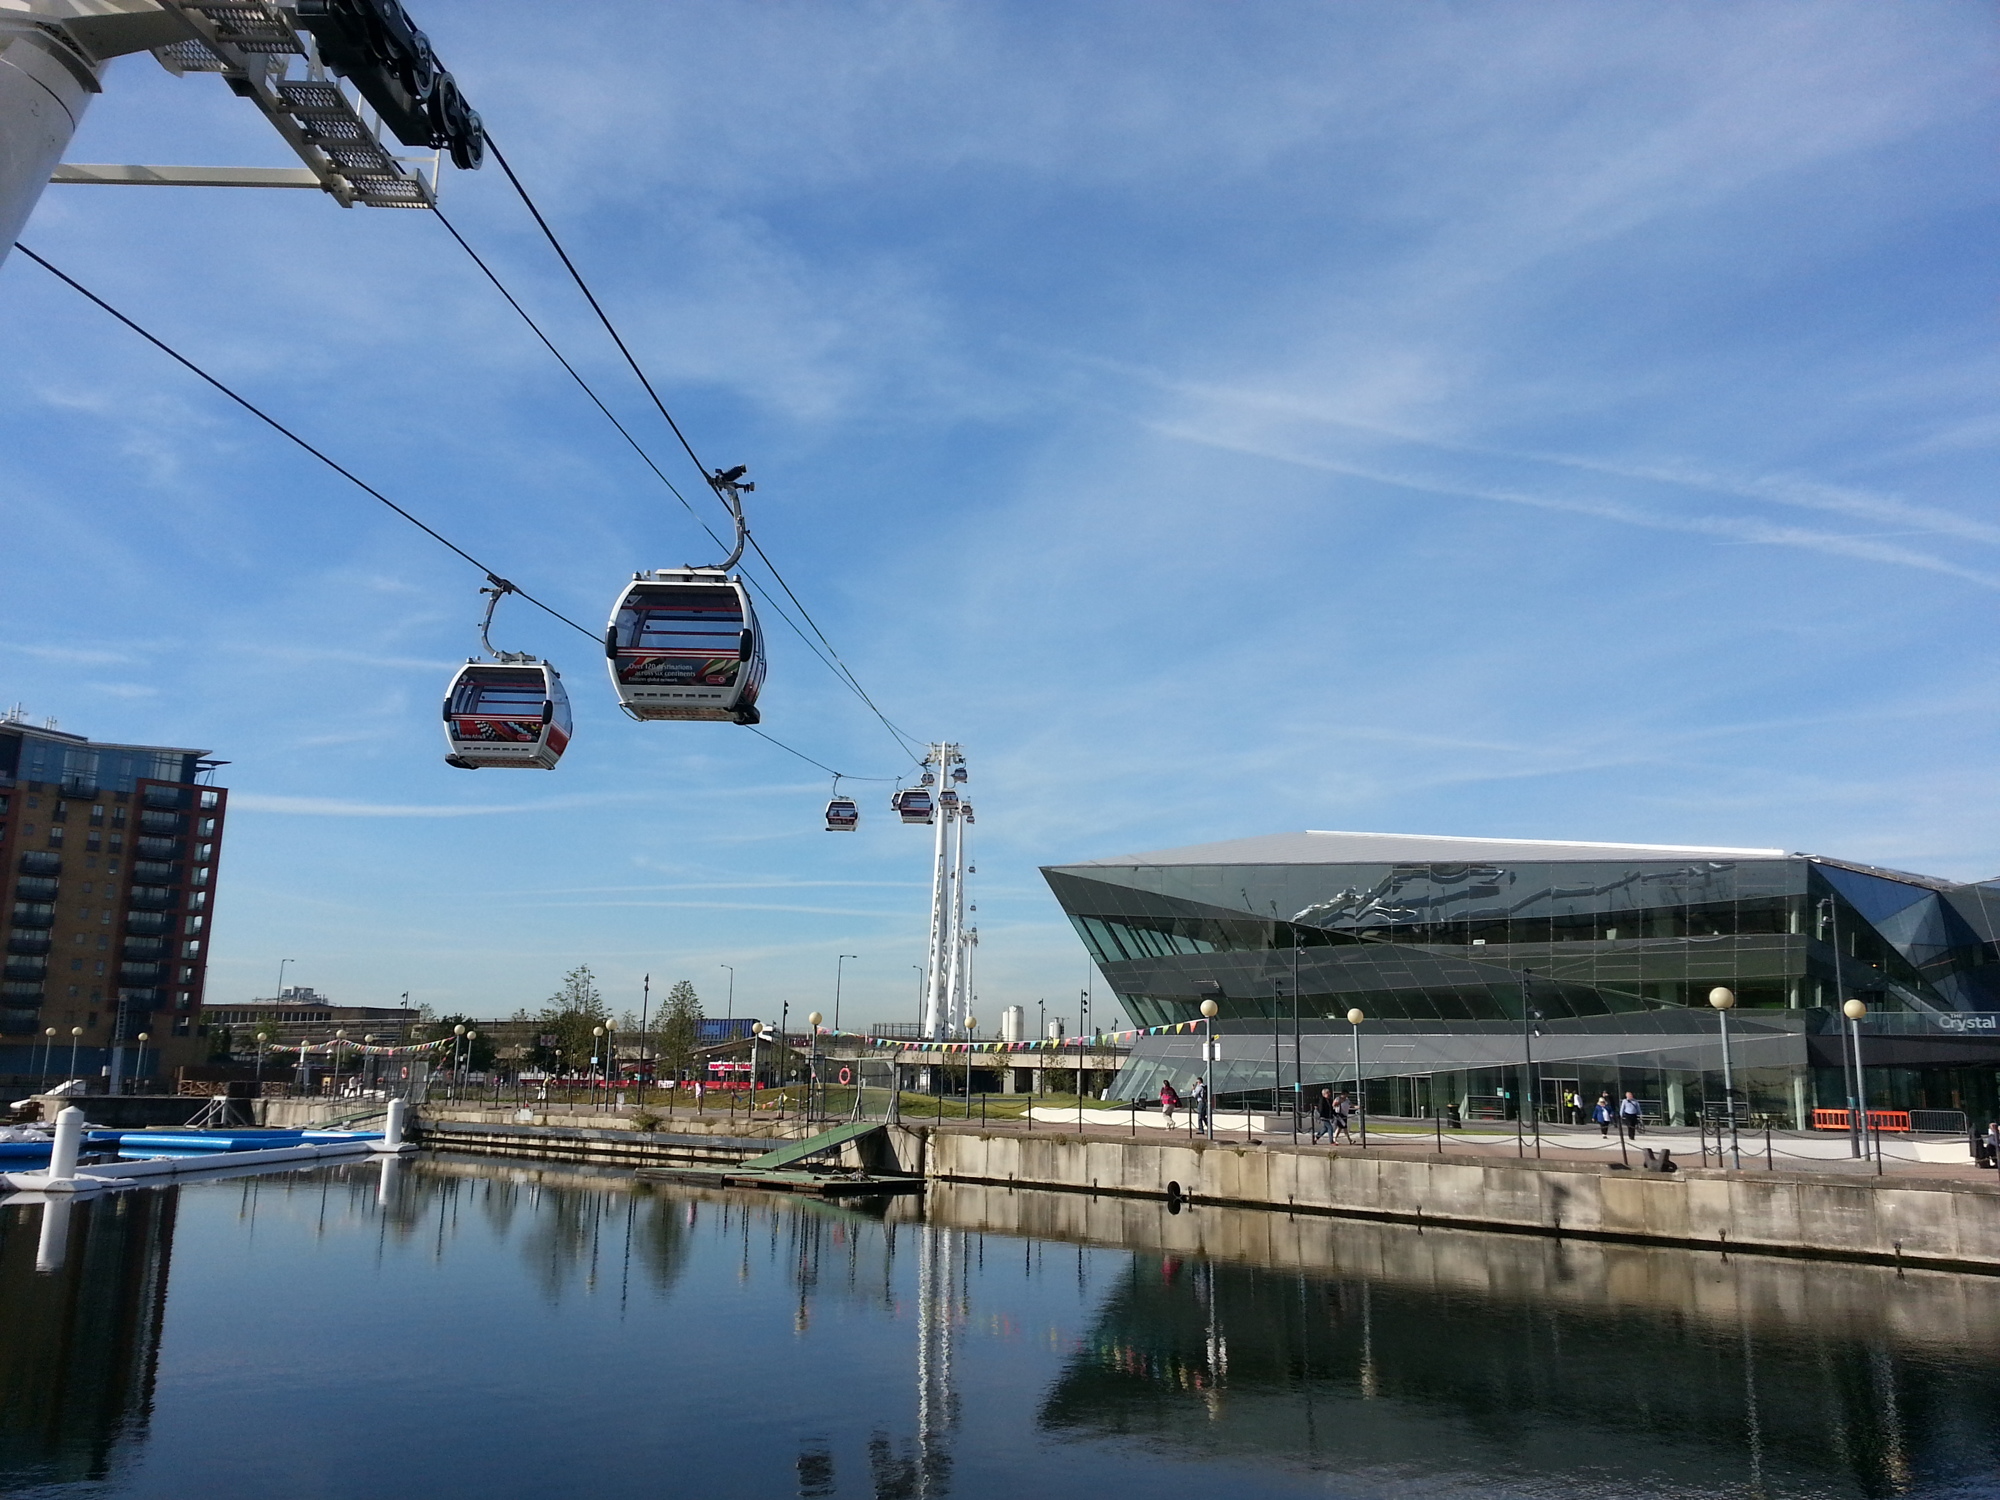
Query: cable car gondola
pixel 509 711
pixel 958 774
pixel 842 813
pixel 683 643
pixel 948 800
pixel 965 812
pixel 915 805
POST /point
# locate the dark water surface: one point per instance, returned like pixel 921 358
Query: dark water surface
pixel 464 1327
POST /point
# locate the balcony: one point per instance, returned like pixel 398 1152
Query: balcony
pixel 20 992
pixel 79 786
pixel 34 914
pixel 135 947
pixel 155 872
pixel 131 973
pixel 164 796
pixel 20 941
pixel 18 1022
pixel 40 863
pixel 151 898
pixel 35 888
pixel 141 999
pixel 161 822
pixel 146 921
pixel 152 848
pixel 26 968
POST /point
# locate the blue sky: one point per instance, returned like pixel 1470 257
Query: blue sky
pixel 1547 420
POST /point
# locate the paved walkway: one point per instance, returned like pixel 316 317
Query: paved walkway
pixel 1779 1150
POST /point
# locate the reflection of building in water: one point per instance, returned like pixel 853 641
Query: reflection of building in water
pixel 79 1342
pixel 1387 1378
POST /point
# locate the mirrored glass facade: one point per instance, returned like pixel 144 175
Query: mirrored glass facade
pixel 1469 936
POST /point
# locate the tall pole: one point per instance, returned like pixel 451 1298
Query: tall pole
pixel 281 977
pixel 1277 1049
pixel 836 989
pixel 729 1014
pixel 1854 1010
pixel 1354 1019
pixel 645 1002
pixel 1530 1094
pixel 1208 1010
pixel 1724 1000
pixel 1854 1136
pixel 1298 1055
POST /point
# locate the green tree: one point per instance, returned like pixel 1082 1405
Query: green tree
pixel 571 1016
pixel 679 1029
pixel 482 1044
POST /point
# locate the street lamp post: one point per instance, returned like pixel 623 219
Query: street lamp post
pixel 756 1036
pixel 1354 1018
pixel 48 1052
pixel 1854 1137
pixel 838 964
pixel 75 1038
pixel 139 1067
pixel 1854 1010
pixel 338 1038
pixel 1724 1000
pixel 262 1037
pixel 646 1067
pixel 282 963
pixel 971 1027
pixel 597 1062
pixel 1208 1012
pixel 457 1071
pixel 729 1012
pixel 812 1061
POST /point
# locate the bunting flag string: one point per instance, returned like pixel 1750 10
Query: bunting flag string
pixel 1038 1044
pixel 364 1049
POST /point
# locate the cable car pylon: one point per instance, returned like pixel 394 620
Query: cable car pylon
pixel 946 971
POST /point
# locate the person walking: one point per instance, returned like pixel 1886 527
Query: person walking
pixel 1573 1102
pixel 1993 1143
pixel 1199 1094
pixel 1342 1108
pixel 1323 1115
pixel 1601 1113
pixel 1169 1099
pixel 1628 1116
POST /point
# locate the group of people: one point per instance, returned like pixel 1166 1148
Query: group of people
pixel 1624 1114
pixel 1330 1114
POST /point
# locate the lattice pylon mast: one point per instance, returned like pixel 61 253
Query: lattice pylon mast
pixel 937 1019
pixel 956 1006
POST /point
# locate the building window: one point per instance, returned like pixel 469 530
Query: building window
pixel 76 966
pixel 55 838
pixel 97 812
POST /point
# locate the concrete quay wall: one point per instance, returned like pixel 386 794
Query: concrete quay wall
pixel 1939 1222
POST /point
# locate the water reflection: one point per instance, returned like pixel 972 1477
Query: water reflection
pixel 83 1290
pixel 1423 1363
pixel 973 1342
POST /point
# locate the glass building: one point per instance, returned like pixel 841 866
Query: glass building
pixel 1471 957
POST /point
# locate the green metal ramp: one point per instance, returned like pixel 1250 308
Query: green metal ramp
pixel 797 1151
pixel 784 1169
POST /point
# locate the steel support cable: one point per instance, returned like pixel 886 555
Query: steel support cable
pixel 352 478
pixel 840 667
pixel 275 425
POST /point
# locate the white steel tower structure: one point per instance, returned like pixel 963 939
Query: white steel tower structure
pixel 948 963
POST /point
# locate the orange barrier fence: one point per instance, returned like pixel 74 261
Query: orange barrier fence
pixel 1878 1119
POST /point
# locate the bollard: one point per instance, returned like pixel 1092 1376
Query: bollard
pixel 69 1141
pixel 392 1132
